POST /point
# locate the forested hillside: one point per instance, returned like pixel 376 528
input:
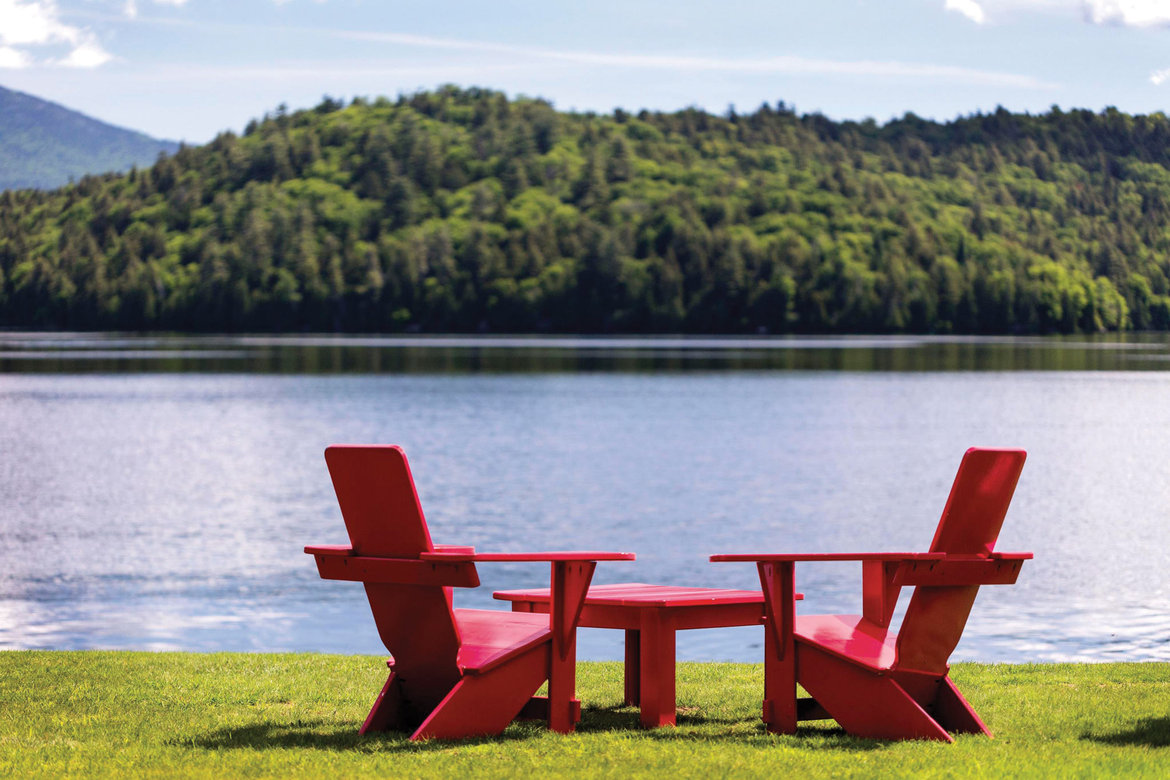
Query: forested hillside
pixel 459 210
pixel 45 145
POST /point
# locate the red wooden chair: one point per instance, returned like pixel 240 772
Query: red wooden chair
pixel 873 681
pixel 454 672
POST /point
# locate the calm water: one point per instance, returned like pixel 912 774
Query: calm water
pixel 155 493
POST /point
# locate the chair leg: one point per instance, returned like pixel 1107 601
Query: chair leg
pixel 780 704
pixel 568 586
pixel 939 696
pixel 864 703
pixel 386 714
pixel 484 704
pixel 954 712
pixel 778 581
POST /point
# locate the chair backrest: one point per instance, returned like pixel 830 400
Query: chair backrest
pixel 970 525
pixel 384 519
pixel 378 500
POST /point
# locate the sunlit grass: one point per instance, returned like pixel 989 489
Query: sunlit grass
pixel 221 715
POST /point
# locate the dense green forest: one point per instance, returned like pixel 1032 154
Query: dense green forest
pixel 46 145
pixel 461 210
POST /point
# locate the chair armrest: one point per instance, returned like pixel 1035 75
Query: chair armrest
pixel 345 549
pixel 812 557
pixel 962 570
pixel 1011 556
pixel 397 571
pixel 329 549
pixel 567 556
pixel 454 548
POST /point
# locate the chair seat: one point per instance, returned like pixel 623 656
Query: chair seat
pixel 850 637
pixel 491 637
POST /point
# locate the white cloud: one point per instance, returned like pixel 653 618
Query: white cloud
pixel 88 54
pixel 31 23
pixel 1159 77
pixel 1126 13
pixel 24 22
pixel 1131 13
pixel 968 8
pixel 13 58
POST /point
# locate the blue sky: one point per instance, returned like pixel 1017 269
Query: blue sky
pixel 186 69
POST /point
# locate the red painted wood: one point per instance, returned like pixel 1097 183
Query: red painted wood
pixel 797 557
pixel 871 680
pixel 633 667
pixel 484 704
pixel 955 713
pixel 979 501
pixel 850 637
pixel 377 495
pixel 778 580
pixel 329 549
pixel 454 548
pixel 454 673
pixel 863 703
pixel 684 618
pixel 388 712
pixel 637 594
pixel 661 610
pixel 401 571
pixel 564 555
pixel 656 689
pixel 950 572
pixel 879 592
pixel 492 638
pixel 537 709
pixel 570 582
pixel 1006 556
pixel 970 525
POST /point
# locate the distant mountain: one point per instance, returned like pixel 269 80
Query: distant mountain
pixel 44 145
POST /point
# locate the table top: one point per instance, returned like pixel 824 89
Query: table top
pixel 640 594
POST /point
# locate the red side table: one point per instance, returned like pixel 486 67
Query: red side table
pixel 650 615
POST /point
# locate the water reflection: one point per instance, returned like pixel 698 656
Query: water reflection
pixel 147 508
pixel 104 353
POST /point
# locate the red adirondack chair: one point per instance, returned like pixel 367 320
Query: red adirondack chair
pixel 454 672
pixel 873 681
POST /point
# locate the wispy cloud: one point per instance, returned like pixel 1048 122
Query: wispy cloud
pixel 312 71
pixel 130 7
pixel 1159 77
pixel 32 24
pixel 968 8
pixel 779 64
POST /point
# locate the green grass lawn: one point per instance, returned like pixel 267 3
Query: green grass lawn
pixel 223 715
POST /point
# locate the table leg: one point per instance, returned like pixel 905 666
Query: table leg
pixel 633 669
pixel 657 669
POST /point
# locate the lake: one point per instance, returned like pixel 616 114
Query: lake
pixel 157 491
